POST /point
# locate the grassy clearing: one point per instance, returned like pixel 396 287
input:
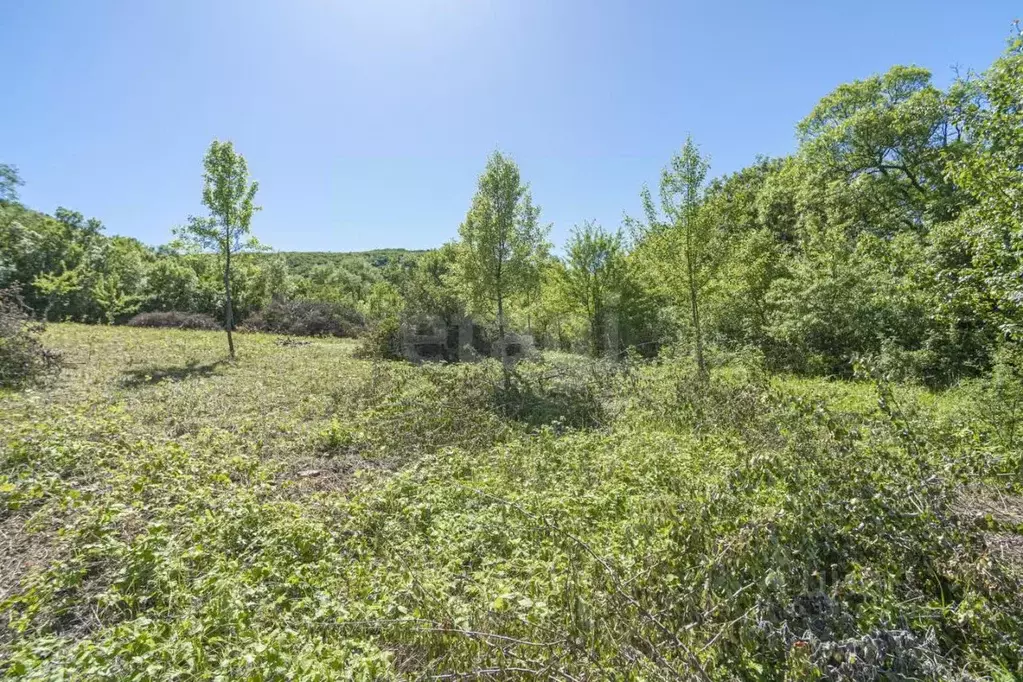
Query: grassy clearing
pixel 302 514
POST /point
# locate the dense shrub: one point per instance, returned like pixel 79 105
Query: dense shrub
pixel 383 342
pixel 408 410
pixel 307 318
pixel 174 319
pixel 545 394
pixel 424 339
pixel 23 358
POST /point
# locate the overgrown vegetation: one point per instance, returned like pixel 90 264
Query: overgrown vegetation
pixel 784 443
pixel 307 318
pixel 303 514
pixel 23 358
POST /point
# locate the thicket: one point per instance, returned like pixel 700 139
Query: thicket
pixel 307 318
pixel 23 357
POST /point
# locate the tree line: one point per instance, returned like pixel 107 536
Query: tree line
pixel 894 230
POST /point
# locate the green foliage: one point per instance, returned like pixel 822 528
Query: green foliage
pixel 358 520
pixel 307 318
pixel 594 276
pixel 680 245
pixel 383 301
pixel 840 298
pixel 383 340
pixel 502 241
pixel 991 171
pixel 303 262
pixel 229 195
pixel 888 131
pixel 998 406
pixel 432 286
pixel 10 180
pixel 173 285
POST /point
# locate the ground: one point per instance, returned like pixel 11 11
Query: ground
pixel 303 514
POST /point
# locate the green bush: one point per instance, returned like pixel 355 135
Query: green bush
pixel 383 340
pixel 307 318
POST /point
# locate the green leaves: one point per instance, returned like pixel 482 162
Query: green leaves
pixel 890 128
pixel 991 171
pixel 594 276
pixel 678 248
pixel 229 195
pixel 727 516
pixel 502 241
pixel 9 183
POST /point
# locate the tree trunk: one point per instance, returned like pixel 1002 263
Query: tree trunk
pixel 500 338
pixel 228 311
pixel 701 364
pixel 596 332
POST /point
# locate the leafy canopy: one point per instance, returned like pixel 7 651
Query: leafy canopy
pixel 229 195
pixel 502 240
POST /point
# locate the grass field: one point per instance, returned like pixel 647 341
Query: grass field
pixel 302 514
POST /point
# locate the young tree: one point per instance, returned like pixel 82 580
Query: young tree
pixel 228 193
pixel 594 268
pixel 502 241
pixel 683 236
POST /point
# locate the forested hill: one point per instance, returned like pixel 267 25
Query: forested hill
pixel 67 267
pixel 302 262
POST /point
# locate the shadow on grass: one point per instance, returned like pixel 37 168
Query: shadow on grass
pixel 575 405
pixel 148 376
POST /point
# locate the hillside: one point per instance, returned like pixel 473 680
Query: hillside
pixel 301 262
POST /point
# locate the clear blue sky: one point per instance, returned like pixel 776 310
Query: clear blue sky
pixel 366 123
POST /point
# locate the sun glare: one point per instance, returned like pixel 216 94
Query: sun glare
pixel 420 20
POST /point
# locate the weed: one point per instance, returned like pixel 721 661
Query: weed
pixel 618 521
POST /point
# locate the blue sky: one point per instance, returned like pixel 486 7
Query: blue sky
pixel 367 123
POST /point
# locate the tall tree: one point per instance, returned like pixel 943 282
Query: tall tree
pixel 992 173
pixel 594 268
pixel 890 132
pixel 502 241
pixel 681 240
pixel 228 193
